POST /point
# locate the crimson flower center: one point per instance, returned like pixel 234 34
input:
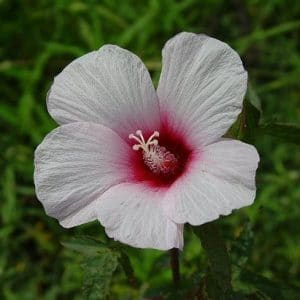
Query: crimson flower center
pixel 157 158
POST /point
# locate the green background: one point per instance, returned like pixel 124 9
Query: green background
pixel 39 38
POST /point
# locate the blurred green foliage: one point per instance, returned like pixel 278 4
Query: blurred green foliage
pixel 39 38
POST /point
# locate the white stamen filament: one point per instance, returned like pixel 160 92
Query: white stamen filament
pixel 157 158
pixel 145 146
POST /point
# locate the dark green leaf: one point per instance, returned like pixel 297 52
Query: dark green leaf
pixel 250 125
pixel 246 126
pixel 219 278
pixel 253 98
pixel 252 115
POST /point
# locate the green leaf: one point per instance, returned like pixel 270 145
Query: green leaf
pixel 252 117
pixel 254 99
pixel 252 113
pixel 245 128
pixel 85 245
pixel 288 132
pixel 219 277
pixel 98 264
pixel 97 274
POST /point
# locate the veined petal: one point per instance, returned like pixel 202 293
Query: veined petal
pixel 74 165
pixel 132 214
pixel 231 160
pixel 222 179
pixel 201 87
pixel 111 87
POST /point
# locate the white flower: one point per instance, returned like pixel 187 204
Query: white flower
pixel 144 162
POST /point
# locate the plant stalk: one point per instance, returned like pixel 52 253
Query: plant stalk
pixel 174 262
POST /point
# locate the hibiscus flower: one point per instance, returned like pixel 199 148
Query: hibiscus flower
pixel 145 162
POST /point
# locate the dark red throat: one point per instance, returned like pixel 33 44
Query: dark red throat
pixel 171 168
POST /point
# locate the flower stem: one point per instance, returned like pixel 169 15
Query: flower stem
pixel 174 262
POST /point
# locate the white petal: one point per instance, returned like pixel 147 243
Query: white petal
pixel 110 86
pixel 74 165
pixel 132 214
pixel 222 179
pixel 201 87
pixel 231 160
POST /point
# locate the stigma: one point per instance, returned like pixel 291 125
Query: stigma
pixel 157 158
